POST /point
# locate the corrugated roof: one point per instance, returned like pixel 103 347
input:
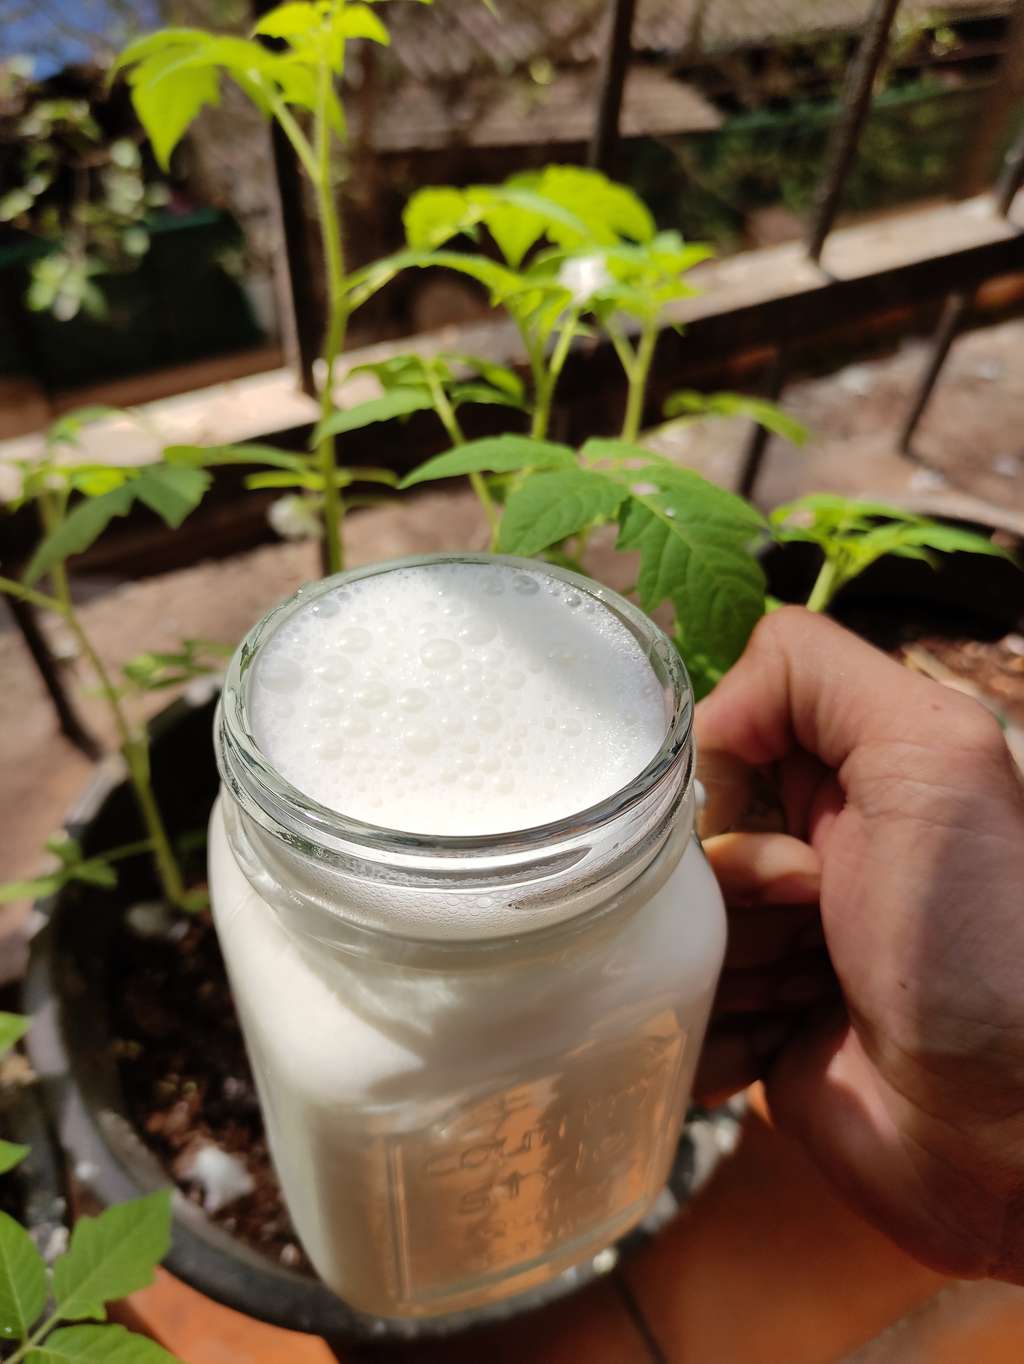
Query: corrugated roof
pixel 453 39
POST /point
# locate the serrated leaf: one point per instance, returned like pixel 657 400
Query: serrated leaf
pixel 168 91
pixel 493 455
pixel 11 1154
pixel 22 1281
pixel 696 545
pixel 289 21
pixel 397 402
pixel 171 490
pixel 13 1028
pixel 99 1345
pixel 82 526
pixel 549 507
pixel 950 539
pixel 359 21
pixel 688 402
pixel 434 215
pixel 112 1255
pixel 211 456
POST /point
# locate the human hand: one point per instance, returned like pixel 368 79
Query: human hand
pixel 889 1029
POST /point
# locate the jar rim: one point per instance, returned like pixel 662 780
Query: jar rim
pixel 249 774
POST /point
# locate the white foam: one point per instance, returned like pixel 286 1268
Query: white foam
pixel 455 698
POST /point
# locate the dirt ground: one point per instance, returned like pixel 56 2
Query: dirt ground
pixel 969 459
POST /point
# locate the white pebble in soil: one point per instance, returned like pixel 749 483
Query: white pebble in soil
pixel 222 1177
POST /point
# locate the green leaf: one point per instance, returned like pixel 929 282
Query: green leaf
pixel 167 94
pixel 551 506
pixel 210 456
pixel 83 525
pixel 289 21
pixel 34 889
pixel 66 430
pixel 359 21
pixel 696 544
pixel 483 393
pixel 95 872
pixel 171 490
pixel 494 455
pixel 951 540
pixel 397 402
pixel 22 1280
pixel 498 376
pixel 112 1255
pixel 13 1028
pixel 11 1154
pixel 688 402
pixel 99 1345
pixel 434 215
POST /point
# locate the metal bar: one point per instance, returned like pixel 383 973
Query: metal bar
pixel 757 440
pixel 35 641
pixel 297 269
pixel 842 145
pixel 945 334
pixel 1012 177
pixel 998 109
pixel 605 141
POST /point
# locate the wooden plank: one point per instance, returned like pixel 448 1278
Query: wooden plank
pixel 769 1267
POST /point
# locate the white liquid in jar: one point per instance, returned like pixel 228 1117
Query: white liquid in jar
pixel 450 1130
pixel 457 698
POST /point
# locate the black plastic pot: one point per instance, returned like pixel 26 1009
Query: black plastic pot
pixel 34 1192
pixel 68 990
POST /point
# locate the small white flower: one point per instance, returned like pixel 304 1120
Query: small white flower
pixel 583 276
pixel 294 517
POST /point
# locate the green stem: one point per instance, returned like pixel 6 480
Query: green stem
pixel 637 377
pixel 134 747
pixel 625 352
pixel 549 378
pixel 337 322
pixel 30 1342
pixel 825 586
pixel 450 422
pixel 40 599
pixel 316 161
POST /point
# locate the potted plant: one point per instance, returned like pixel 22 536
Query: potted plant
pixel 145 1050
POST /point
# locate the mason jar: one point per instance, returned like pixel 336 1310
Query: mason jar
pixel 460 1113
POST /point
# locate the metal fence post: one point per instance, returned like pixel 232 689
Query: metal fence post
pixel 842 146
pixel 605 141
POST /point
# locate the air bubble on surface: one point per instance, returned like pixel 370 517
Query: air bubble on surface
pixel 457 699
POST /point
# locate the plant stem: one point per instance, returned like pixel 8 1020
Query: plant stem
pixel 31 1341
pixel 134 747
pixel 547 378
pixel 825 586
pixel 40 599
pixel 450 422
pixel 637 377
pixel 337 321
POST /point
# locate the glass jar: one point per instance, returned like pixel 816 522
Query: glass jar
pixel 457 1116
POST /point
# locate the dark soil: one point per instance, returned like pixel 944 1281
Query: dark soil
pixel 186 1076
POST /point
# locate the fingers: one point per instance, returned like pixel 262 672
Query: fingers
pixel 764 869
pixel 805 682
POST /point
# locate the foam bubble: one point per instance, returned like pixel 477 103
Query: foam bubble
pixel 457 699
